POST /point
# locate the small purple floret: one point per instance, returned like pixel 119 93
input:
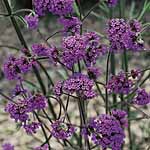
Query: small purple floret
pixel 62 130
pixel 119 84
pixel 105 131
pixel 142 97
pixel 32 21
pixel 44 147
pixel 7 146
pixel 31 128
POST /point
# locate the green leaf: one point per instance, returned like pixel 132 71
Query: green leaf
pixel 22 20
pixel 144 10
pixel 76 9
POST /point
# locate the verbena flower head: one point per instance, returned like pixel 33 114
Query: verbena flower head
pixel 71 24
pixel 106 132
pixel 121 116
pixel 117 28
pixel 73 50
pixel 81 84
pixel 18 111
pixel 58 89
pixel 44 147
pixel 142 97
pixel 136 41
pixel 40 49
pixel 111 3
pixel 32 21
pixel 31 128
pixel 94 48
pixel 124 35
pixel 40 6
pixel 13 67
pixel 18 90
pixel 62 130
pixel 37 102
pixel 119 84
pixel 7 146
pixel 61 7
pixel 25 64
pixel 44 50
pixel 135 73
pixel 135 25
pixel 53 54
pixel 58 7
pixel 92 39
pixel 94 72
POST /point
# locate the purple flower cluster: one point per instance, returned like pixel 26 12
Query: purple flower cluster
pixel 94 49
pixel 61 7
pixel 44 147
pixel 40 49
pixel 79 83
pixel 41 6
pixel 58 7
pixel 13 67
pixel 37 102
pixel 18 91
pixel 136 42
pixel 20 110
pixel 43 50
pixel 71 24
pixel 124 35
pixel 73 50
pixel 82 47
pixel 7 146
pixel 106 131
pixel 94 72
pixel 111 3
pixel 62 130
pixel 135 73
pixel 58 89
pixel 121 116
pixel 142 97
pixel 119 84
pixel 31 128
pixel 32 21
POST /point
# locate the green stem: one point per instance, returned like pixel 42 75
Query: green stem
pixel 15 24
pixel 121 8
pixel 113 72
pixel 112 60
pixel 106 91
pixel 39 80
pixel 100 92
pixel 11 47
pixel 128 107
pixel 42 127
pixel 83 118
pixel 46 73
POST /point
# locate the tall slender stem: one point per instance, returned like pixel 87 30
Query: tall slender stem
pixel 83 117
pixel 128 107
pixel 42 127
pixel 15 24
pixel 112 60
pixel 106 91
